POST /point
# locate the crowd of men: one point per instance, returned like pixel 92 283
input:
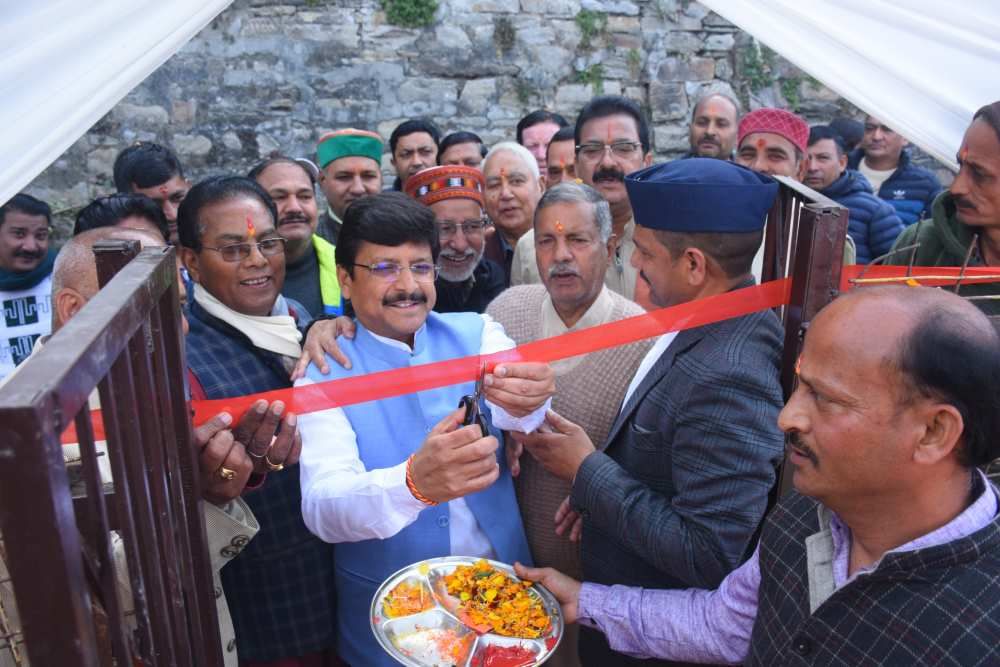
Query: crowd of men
pixel 646 470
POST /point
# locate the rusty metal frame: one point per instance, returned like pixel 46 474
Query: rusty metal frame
pixel 127 343
pixel 804 240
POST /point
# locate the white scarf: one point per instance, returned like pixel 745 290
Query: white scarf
pixel 275 332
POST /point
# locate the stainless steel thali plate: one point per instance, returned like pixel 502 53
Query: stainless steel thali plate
pixel 436 637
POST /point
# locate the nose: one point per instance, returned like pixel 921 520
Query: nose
pixel 562 253
pixel 792 417
pixel 505 191
pixel 759 163
pixel 30 243
pixel 607 158
pixel 293 204
pixel 405 282
pixel 960 186
pixel 357 186
pixel 636 261
pixel 169 210
pixel 256 257
pixel 458 242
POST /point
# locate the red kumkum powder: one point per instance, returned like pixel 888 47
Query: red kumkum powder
pixel 505 656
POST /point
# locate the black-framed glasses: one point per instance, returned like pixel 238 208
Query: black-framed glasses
pixel 237 252
pixel 423 272
pixel 447 228
pixel 595 149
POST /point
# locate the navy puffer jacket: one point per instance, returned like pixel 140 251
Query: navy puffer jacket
pixel 874 224
pixel 911 189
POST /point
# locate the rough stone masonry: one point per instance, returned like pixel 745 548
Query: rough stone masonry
pixel 273 75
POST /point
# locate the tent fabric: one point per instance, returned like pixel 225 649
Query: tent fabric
pixel 65 63
pixel 923 67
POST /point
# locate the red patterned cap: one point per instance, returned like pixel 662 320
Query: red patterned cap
pixel 446 182
pixel 776 121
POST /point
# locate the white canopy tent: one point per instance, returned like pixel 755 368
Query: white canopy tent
pixel 64 64
pixel 921 66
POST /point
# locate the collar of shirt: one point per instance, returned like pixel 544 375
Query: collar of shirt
pixel 599 312
pixel 398 344
pixel 975 517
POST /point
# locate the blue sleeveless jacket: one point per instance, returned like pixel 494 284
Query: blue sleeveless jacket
pixel 387 432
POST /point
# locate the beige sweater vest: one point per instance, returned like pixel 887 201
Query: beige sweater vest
pixel 589 394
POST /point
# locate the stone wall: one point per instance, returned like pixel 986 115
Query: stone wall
pixel 273 75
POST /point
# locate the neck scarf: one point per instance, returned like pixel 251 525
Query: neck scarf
pixel 275 332
pixel 13 281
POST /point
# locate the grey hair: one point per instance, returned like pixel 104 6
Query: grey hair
pixel 578 193
pixel 530 163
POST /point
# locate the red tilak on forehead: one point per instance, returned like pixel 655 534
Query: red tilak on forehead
pixel 559 227
pixel 562 164
pixel 761 143
pixel 251 230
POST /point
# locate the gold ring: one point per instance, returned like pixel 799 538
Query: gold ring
pixel 273 467
pixel 227 474
pixel 260 456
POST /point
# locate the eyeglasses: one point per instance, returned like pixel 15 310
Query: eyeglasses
pixel 237 252
pixel 595 150
pixel 423 272
pixel 447 229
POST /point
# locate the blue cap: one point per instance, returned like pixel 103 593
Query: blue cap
pixel 697 195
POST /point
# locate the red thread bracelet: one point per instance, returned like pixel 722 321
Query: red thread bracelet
pixel 413 487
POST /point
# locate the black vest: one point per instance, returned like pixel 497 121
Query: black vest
pixel 935 606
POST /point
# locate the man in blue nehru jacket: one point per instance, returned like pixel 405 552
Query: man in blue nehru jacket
pixel 676 496
pixel 399 480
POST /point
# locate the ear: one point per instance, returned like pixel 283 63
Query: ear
pixel 190 259
pixel 942 427
pixel 696 266
pixel 344 278
pixel 843 162
pixel 610 246
pixel 68 303
pixel 648 160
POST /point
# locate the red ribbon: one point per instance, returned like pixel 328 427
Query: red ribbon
pixel 386 384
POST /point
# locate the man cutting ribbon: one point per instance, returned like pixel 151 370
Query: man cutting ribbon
pixel 399 480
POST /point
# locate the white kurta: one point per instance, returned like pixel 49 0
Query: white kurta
pixel 342 501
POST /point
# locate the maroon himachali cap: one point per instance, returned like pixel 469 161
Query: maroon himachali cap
pixel 776 121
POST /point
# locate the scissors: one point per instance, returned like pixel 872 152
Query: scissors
pixel 471 404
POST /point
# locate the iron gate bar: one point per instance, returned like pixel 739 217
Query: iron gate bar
pixel 36 405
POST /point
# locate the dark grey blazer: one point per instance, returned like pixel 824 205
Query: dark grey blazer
pixel 678 493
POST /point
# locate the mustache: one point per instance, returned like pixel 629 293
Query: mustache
pixel 607 173
pixel 458 256
pixel 27 254
pixel 563 268
pixel 962 202
pixel 709 139
pixel 795 440
pixel 293 218
pixel 645 278
pixel 417 296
